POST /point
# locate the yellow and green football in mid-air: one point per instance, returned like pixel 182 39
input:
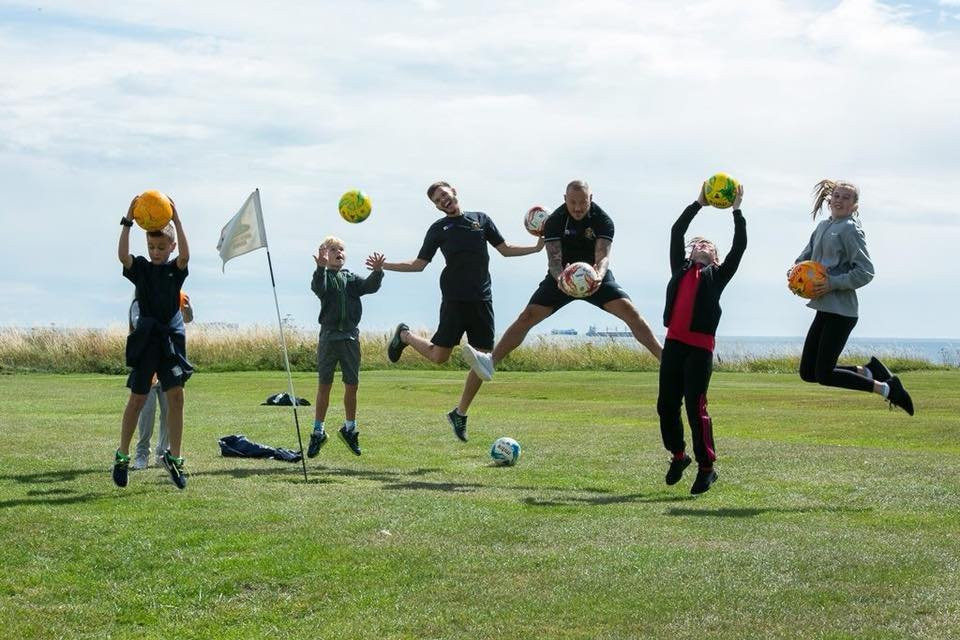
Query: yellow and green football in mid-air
pixel 720 190
pixel 355 206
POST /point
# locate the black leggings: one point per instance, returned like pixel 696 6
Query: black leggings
pixel 684 377
pixel 825 341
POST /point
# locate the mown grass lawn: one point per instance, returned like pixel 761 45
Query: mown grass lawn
pixel 832 518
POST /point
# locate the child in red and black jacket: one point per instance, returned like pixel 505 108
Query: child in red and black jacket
pixel 691 316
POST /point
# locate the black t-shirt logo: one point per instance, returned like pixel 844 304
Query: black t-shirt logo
pixel 589 234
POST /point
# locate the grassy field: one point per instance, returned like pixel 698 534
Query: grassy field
pixel 832 518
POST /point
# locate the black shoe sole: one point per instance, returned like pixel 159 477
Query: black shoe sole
pixel 343 437
pixel 696 490
pixel 461 435
pixel 672 481
pixel 120 476
pixel 396 345
pixel 898 396
pixel 878 370
pixel 313 451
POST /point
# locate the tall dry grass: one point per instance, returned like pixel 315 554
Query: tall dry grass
pixel 210 348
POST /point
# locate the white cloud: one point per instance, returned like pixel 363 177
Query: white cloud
pixel 101 101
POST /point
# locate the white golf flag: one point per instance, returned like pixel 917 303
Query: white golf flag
pixel 244 232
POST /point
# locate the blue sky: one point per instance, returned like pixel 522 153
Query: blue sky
pixel 102 100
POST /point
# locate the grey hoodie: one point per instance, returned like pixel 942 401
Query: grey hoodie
pixel 841 246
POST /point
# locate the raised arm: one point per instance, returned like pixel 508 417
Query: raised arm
pixel 371 283
pixel 318 284
pixel 417 264
pixel 510 250
pixel 183 256
pixel 678 245
pixel 123 246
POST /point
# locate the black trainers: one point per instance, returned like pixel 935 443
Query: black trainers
pixel 121 465
pixel 878 370
pixel 351 439
pixel 174 467
pixel 459 424
pixel 675 472
pixel 317 440
pixel 396 346
pixel 898 396
pixel 705 478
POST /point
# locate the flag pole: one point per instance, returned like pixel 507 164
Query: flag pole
pixel 244 233
pixel 286 362
pixel 286 357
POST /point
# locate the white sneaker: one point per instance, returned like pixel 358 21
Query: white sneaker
pixel 140 462
pixel 479 361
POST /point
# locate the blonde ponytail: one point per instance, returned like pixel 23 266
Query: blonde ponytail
pixel 825 188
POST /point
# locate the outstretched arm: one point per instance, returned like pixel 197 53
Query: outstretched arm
pixel 678 246
pixel 732 261
pixel 123 247
pixel 417 264
pixel 371 283
pixel 184 255
pixel 510 250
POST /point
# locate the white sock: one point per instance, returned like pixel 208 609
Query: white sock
pixel 866 373
pixel 459 413
pixel 349 426
pixel 884 389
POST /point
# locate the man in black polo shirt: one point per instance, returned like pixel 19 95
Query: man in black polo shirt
pixel 467 305
pixel 578 231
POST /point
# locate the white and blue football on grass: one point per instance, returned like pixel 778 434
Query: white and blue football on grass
pixel 505 451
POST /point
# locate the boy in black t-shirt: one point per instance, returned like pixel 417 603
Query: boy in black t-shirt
pixel 157 345
pixel 467 303
pixel 577 231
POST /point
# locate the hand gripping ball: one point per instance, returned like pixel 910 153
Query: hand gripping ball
pixel 534 220
pixel 804 275
pixel 720 190
pixel 579 280
pixel 152 210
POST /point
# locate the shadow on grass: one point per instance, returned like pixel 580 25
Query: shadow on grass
pixel 601 500
pixel 43 498
pixel 47 477
pixel 751 512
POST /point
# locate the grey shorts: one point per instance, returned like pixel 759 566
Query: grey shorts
pixel 344 352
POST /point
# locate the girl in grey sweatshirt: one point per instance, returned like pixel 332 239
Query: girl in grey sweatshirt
pixel 839 244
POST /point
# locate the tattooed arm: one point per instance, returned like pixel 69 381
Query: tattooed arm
pixel 602 256
pixel 554 258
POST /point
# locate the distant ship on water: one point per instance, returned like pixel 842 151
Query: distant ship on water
pixel 563 332
pixel 607 333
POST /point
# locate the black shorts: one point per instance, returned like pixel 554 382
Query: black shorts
pixel 154 360
pixel 346 352
pixel 548 294
pixel 473 317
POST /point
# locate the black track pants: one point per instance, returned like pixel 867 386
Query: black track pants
pixel 825 341
pixel 684 377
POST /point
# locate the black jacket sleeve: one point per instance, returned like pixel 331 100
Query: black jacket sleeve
pixel 732 262
pixel 678 249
